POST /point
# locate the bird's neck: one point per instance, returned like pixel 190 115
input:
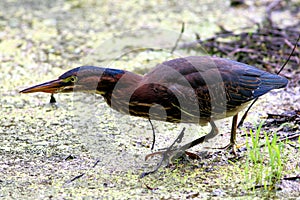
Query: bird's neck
pixel 117 85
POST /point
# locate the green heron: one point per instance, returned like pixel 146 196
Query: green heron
pixel 196 89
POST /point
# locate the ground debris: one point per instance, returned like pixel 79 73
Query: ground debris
pixel 278 119
pixel 268 46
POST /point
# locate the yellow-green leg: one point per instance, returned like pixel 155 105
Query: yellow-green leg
pixel 233 134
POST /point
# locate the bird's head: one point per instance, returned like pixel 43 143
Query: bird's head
pixel 81 79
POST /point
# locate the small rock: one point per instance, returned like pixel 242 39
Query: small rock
pixel 218 192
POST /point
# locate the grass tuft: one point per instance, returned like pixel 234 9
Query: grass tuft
pixel 264 166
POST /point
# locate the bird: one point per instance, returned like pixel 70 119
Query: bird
pixel 194 89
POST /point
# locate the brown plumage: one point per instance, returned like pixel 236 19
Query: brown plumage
pixel 198 89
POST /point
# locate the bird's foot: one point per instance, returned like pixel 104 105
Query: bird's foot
pixel 172 153
pixel 175 155
pixel 164 157
pixel 232 146
pixel 169 156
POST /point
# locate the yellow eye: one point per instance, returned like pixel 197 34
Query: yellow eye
pixel 72 79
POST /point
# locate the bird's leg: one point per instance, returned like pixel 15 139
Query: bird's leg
pixel 233 133
pixel 232 143
pixel 153 132
pixel 179 152
pixel 165 154
pixel 213 132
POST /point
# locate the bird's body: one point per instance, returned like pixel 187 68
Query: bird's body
pixel 180 86
pixel 198 89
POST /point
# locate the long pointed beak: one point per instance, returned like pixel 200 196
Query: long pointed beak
pixel 48 87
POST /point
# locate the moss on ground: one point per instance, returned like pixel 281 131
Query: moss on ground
pixel 43 147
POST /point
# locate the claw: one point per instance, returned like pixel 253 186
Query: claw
pixel 233 146
pixel 153 154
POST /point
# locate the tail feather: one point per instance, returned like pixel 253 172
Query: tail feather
pixel 269 82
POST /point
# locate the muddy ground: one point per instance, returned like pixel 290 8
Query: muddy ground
pixel 79 147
